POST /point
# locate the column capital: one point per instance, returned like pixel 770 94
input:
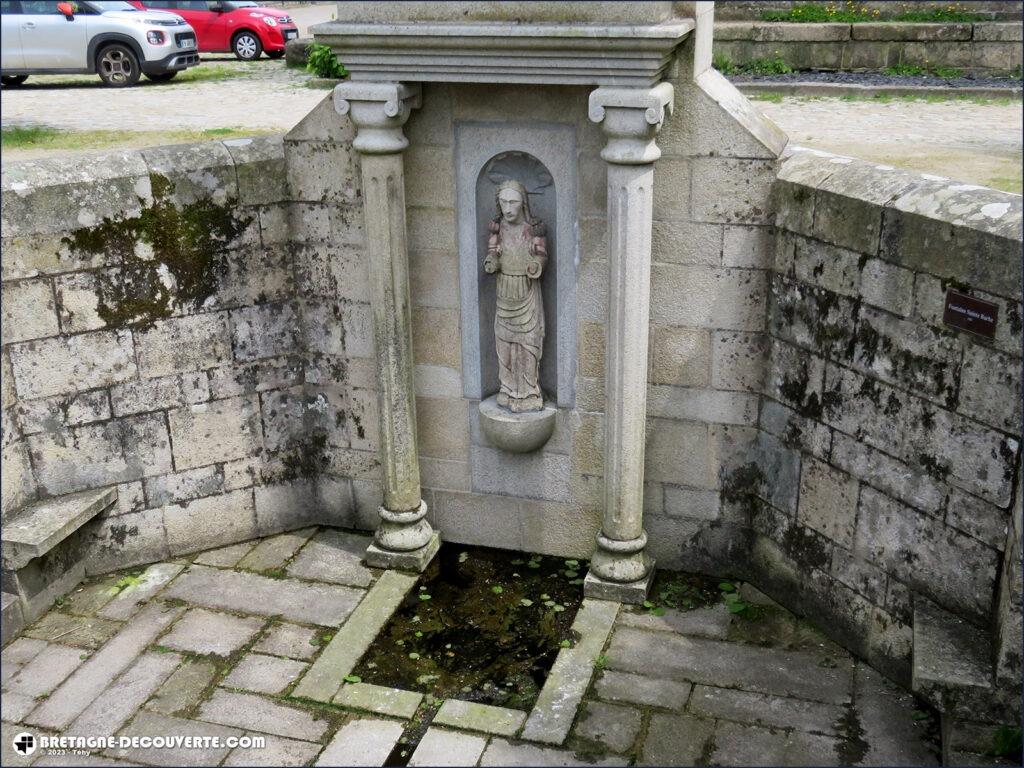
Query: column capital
pixel 379 110
pixel 631 118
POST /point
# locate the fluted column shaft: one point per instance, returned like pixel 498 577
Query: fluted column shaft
pixel 631 118
pixel 404 538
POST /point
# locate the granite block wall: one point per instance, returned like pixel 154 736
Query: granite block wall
pixel 151 340
pixel 886 462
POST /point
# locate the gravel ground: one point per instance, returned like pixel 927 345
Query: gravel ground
pixel 259 94
pixel 880 79
pixel 978 143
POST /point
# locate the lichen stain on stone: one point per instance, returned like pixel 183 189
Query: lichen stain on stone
pixel 119 533
pixel 168 255
pixel 305 458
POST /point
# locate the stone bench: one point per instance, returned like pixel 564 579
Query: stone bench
pixel 42 556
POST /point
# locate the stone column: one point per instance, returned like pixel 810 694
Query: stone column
pixel 630 117
pixel 404 538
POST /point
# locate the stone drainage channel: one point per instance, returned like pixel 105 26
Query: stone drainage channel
pixel 488 641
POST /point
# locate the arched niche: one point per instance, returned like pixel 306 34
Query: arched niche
pixel 543 158
pixel 542 191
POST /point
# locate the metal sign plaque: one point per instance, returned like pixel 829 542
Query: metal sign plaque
pixel 970 314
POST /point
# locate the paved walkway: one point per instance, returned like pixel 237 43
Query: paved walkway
pixel 223 645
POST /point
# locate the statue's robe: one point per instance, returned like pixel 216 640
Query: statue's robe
pixel 519 320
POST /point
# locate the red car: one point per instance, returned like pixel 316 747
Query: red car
pixel 239 26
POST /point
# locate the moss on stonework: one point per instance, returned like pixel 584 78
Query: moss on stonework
pixel 305 458
pixel 742 487
pixel 167 255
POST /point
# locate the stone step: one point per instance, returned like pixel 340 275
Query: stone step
pixel 40 527
pixel 42 550
pixel 11 619
pixel 951 665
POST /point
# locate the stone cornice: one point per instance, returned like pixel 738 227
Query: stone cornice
pixel 628 55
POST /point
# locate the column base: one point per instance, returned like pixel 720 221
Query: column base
pixel 629 592
pixel 414 560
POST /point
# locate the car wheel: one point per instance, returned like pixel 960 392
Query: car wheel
pixel 10 81
pixel 118 66
pixel 161 77
pixel 247 46
pixel 275 54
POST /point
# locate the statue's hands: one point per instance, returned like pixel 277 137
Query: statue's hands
pixel 533 268
pixel 490 265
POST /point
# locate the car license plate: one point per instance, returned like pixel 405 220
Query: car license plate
pixel 291 34
pixel 187 43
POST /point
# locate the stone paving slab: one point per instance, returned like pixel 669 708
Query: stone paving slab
pixel 711 622
pixel 153 724
pixel 501 752
pixel 322 681
pixel 244 710
pixel 555 709
pixel 205 632
pixel 614 726
pixel 379 699
pixel 264 674
pixel 225 557
pixel 46 671
pixel 86 683
pixel 334 556
pixel 362 743
pixel 277 751
pixel 88 599
pixel 676 740
pixel 80 761
pixel 751 745
pixel 80 631
pixel 289 640
pixel 471 716
pixel 439 747
pixel 8 757
pixel 770 711
pixel 324 604
pixel 14 706
pixel 129 600
pixel 638 689
pixel 184 688
pixel 275 551
pixel 764 670
pixel 885 713
pixel 22 650
pixel 125 696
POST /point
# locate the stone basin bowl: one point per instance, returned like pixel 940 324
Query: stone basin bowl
pixel 516 432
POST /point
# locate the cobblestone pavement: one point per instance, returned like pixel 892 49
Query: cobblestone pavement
pixel 247 639
pixel 978 143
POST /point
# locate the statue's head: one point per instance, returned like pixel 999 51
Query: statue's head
pixel 512 202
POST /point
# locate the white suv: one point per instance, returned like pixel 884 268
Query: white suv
pixel 115 40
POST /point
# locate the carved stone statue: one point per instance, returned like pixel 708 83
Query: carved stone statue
pixel 517 252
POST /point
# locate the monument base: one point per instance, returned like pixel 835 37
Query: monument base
pixel 629 592
pixel 516 432
pixel 415 560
